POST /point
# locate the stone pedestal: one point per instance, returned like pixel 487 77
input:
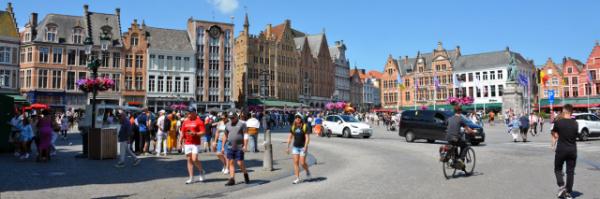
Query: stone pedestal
pixel 512 98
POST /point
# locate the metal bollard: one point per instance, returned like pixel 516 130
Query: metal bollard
pixel 268 157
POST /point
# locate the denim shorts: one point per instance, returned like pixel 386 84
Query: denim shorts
pixel 235 154
pixel 219 142
pixel 298 151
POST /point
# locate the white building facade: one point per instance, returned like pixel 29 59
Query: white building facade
pixel 171 69
pixel 342 68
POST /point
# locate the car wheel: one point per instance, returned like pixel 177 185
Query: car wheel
pixel 410 136
pixel 430 141
pixel 346 133
pixel 584 136
pixel 366 136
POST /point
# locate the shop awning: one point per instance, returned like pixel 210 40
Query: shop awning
pixel 17 98
pixel 275 103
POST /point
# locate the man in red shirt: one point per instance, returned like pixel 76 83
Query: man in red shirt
pixel 191 131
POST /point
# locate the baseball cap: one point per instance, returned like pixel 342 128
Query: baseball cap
pixel 232 115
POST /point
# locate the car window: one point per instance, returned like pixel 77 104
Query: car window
pixel 426 116
pixel 347 118
pixel 329 118
pixel 581 117
pixel 594 118
pixel 408 115
pixel 439 118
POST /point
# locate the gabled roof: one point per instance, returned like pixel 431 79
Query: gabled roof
pixel 299 41
pixel 64 25
pixel 277 31
pixel 314 42
pixel 375 74
pixel 594 55
pixel 334 52
pixel 428 57
pixel 99 20
pixel 488 59
pixel 9 28
pixel 168 39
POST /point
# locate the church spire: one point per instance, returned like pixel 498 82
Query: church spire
pixel 246 24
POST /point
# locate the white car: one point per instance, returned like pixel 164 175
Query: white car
pixel 589 125
pixel 346 126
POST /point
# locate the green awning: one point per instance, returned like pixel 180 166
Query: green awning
pixel 15 97
pixel 275 103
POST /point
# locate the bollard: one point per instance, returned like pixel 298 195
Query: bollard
pixel 268 157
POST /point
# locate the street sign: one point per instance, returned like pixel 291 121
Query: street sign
pixel 551 96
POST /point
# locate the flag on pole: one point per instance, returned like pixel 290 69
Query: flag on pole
pixel 589 76
pixel 543 78
pixel 523 79
pixel 454 81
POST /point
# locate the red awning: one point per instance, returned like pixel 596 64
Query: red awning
pixel 39 106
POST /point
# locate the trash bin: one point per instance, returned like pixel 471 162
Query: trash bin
pixel 102 143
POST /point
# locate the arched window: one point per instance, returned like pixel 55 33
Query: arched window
pixel 51 32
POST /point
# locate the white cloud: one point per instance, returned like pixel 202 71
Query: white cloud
pixel 225 6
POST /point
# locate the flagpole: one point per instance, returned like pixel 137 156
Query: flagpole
pixel 416 82
pixel 589 79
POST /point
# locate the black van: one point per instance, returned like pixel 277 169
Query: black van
pixel 431 126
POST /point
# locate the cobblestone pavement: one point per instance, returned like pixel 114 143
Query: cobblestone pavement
pixel 156 177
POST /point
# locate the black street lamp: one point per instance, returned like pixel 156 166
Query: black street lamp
pixel 94 63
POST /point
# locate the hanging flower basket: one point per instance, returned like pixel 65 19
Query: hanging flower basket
pixel 424 108
pixel 179 107
pixel 460 100
pixel 101 84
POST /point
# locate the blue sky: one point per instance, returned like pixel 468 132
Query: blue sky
pixel 374 29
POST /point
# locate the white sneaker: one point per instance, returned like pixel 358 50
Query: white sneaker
pixel 561 191
pixel 26 156
pixel 189 181
pixel 297 181
pixel 201 176
pixel 157 154
pixel 226 171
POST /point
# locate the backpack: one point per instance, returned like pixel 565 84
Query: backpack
pixel 304 128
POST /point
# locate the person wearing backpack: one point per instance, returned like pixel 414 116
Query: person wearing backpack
pixel 163 125
pixel 142 122
pixel 301 137
pixel 524 120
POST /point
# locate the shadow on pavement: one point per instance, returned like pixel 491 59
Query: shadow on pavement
pixel 116 197
pixel 463 175
pixel 576 194
pixel 64 170
pixel 317 179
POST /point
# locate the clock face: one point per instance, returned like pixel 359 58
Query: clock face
pixel 214 31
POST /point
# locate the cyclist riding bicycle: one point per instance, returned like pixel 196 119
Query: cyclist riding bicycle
pixel 454 134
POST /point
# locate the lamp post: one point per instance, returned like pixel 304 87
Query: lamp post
pixel 93 65
pixel 268 157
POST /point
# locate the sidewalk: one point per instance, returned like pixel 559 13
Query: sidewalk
pixel 156 177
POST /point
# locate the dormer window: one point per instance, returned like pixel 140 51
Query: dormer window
pixel 51 32
pixel 27 36
pixel 134 40
pixel 569 70
pixel 77 35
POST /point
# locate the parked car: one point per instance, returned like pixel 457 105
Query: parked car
pixel 346 126
pixel 589 125
pixel 431 126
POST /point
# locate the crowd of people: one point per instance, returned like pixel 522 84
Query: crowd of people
pixel 36 133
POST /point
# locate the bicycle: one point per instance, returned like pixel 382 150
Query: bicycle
pixel 450 162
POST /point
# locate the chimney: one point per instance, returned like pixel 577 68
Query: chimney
pixel 85 9
pixel 337 43
pixel 268 33
pixel 405 59
pixel 363 71
pixel 507 49
pixel 143 24
pixel 118 11
pixel 134 22
pixel 458 51
pixel 33 20
pixel 288 23
pixel 564 60
pixel 9 9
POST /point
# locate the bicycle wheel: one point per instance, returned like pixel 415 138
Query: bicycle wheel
pixel 448 170
pixel 469 161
